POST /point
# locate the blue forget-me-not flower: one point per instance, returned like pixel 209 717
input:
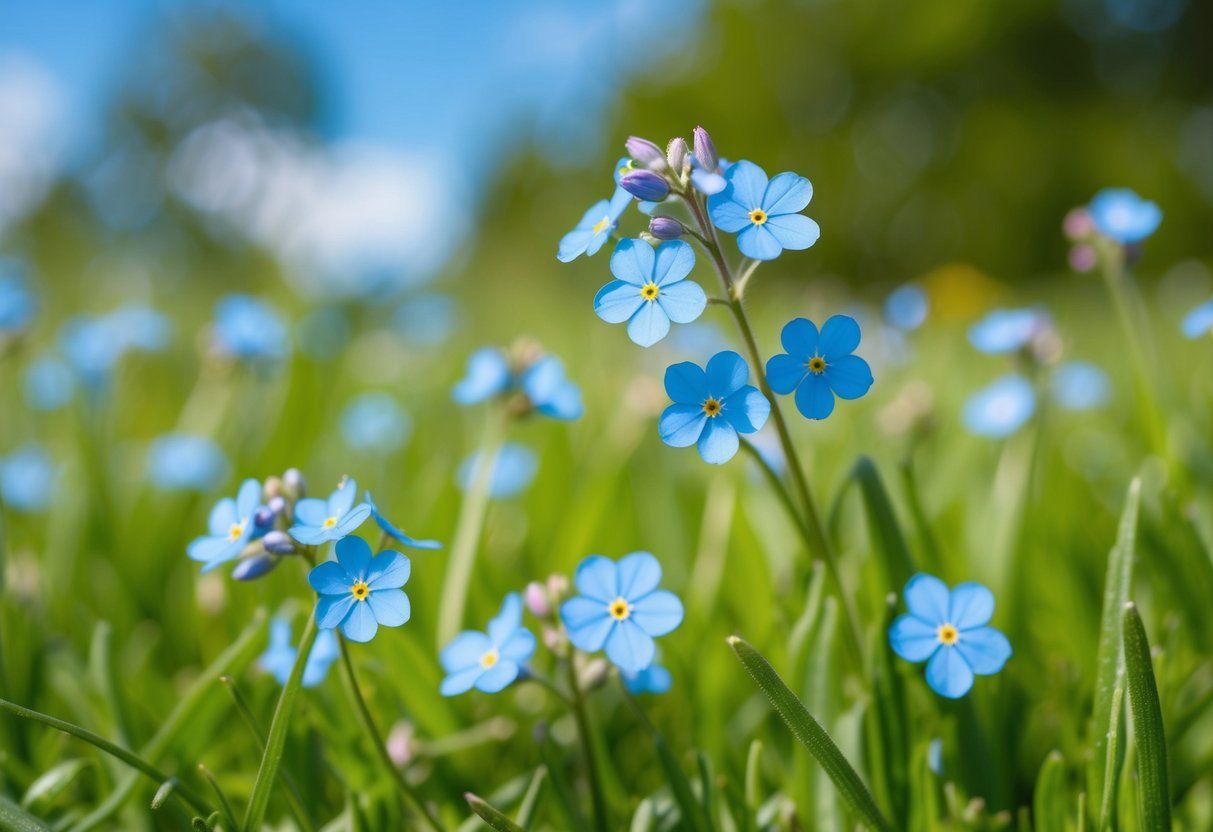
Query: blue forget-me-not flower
pixel 542 381
pixel 595 227
pixel 514 467
pixel 318 521
pixel 27 478
pixel 230 527
pixel 711 406
pixel 279 657
pixel 650 289
pixel 249 328
pixel 949 630
pixel 488 661
pixel 1199 321
pixel 185 462
pixel 1008 330
pixel 358 592
pixel 765 215
pixel 1001 408
pixel 819 365
pixel 620 608
pixel 1080 385
pixel 1122 215
pixel 653 679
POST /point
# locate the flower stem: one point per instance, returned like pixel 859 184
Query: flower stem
pixel 276 740
pixel 377 740
pixel 468 529
pixel 815 537
pixel 581 714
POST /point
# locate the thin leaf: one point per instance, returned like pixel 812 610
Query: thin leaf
pixel 890 543
pixel 1108 661
pixel 1051 799
pixel 490 815
pixel 1154 795
pixel 806 729
pixel 53 783
pixel 530 800
pixel 684 795
pixel 15 819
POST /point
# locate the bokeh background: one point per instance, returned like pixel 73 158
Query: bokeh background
pixel 392 180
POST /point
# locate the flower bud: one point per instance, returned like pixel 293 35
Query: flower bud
pixel 1078 224
pixel 705 150
pixel 645 153
pixel 1082 258
pixel 665 228
pixel 676 154
pixel 252 568
pixel 645 185
pixel 278 505
pixel 400 743
pixel 273 487
pixel 594 674
pixel 536 599
pixel 278 543
pixel 293 484
pixel 558 586
pixel 263 518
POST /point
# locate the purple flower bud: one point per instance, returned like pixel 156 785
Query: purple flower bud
pixel 1082 258
pixel 263 518
pixel 536 599
pixel 645 153
pixel 594 674
pixel 645 185
pixel 250 569
pixel 705 150
pixel 676 153
pixel 401 743
pixel 558 586
pixel 278 542
pixel 1078 224
pixel 277 505
pixel 665 228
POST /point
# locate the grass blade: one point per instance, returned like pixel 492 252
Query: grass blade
pixel 1154 795
pixel 806 729
pixel 680 786
pixel 15 819
pixel 490 815
pixel 530 800
pixel 890 543
pixel 1108 661
pixel 1051 799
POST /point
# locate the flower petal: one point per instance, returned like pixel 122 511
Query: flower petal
pixel 632 262
pixel 388 570
pixel 683 301
pixel 498 677
pixel 331 610
pixel 718 443
pixel 351 520
pixel 598 578
pixel 573 245
pixel 673 261
pixel 360 625
pixel 487 374
pixel 727 215
pixel 685 383
pixel 342 498
pixel 839 337
pixel 629 647
pixel 787 193
pixel 217 550
pixel 223 517
pixel 461 681
pixel 507 621
pixel 390 606
pixel 849 377
pixel 814 399
pixel 657 613
pixel 617 301
pixel 464 651
pixel 757 243
pixel 310 512
pixel 681 425
pixel 649 325
pixel 913 639
pixel 248 498
pixel 519 647
pixel 746 410
pixel 354 554
pixel 793 231
pixel 726 373
pixel 588 621
pixel 639 574
pixel 653 679
pixel 330 578
pixel 747 184
pixel 928 598
pixel 970 605
pixel 949 674
pixel 985 649
pixel 784 373
pixel 800 339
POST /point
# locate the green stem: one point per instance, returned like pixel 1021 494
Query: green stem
pixel 816 538
pixel 377 740
pixel 781 489
pixel 582 716
pixel 468 529
pixel 224 806
pixel 189 798
pixel 276 741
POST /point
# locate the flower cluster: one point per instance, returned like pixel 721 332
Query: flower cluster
pixel 526 379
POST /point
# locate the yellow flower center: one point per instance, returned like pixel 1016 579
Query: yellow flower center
pixel 360 590
pixel 948 635
pixel 712 407
pixel 236 530
pixel 758 216
pixel 489 659
pixel 817 365
pixel 330 522
pixel 626 168
pixel 650 291
pixel 620 609
pixel 602 225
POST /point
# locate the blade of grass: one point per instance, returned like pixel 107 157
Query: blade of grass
pixel 806 729
pixel 1050 798
pixel 491 816
pixel 15 819
pixel 530 801
pixel 1108 661
pixel 1154 795
pixel 890 543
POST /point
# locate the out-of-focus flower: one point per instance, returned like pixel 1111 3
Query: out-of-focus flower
pixel 1082 257
pixel 427 320
pixel 358 592
pixel 1008 330
pixel 1199 321
pixel 185 462
pixel 375 422
pixel 27 479
pixel 395 532
pixel 653 679
pixel 1001 408
pixel 595 227
pixel 230 528
pixel 711 406
pixel 318 521
pixel 536 599
pixel 279 657
pixel 651 289
pixel 487 375
pixel 513 468
pixel 1077 224
pixel 765 215
pixel 488 661
pixel 1122 215
pixel 542 381
pixel 620 608
pixel 17 303
pixel 93 345
pixel 906 307
pixel 249 328
pixel 819 366
pixel 49 384
pixel 550 392
pixel 949 630
pixel 1080 385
